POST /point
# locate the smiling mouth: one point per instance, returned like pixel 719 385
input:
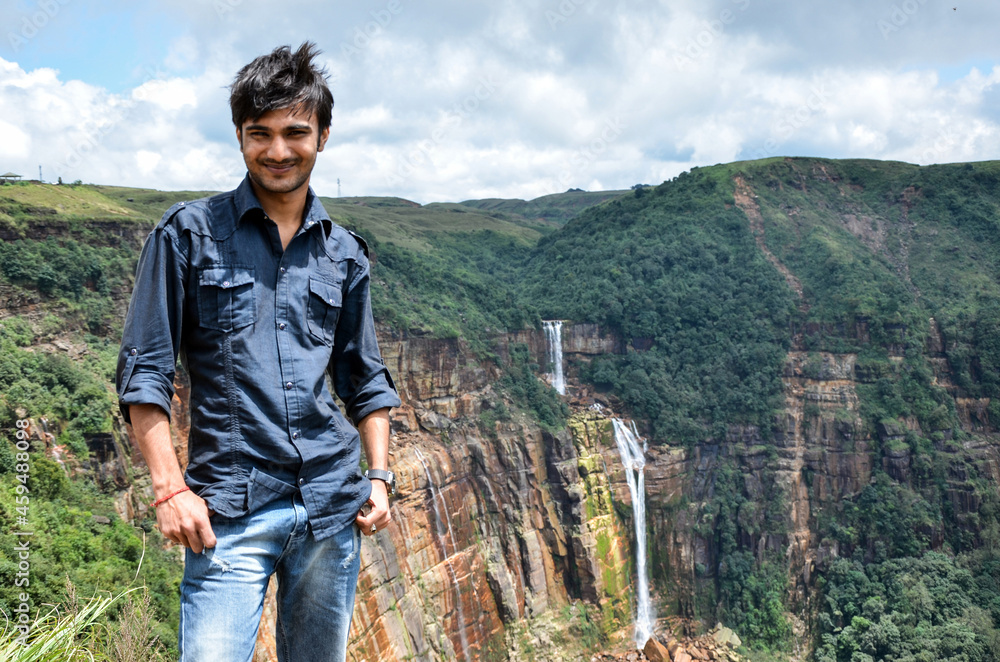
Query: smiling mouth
pixel 279 167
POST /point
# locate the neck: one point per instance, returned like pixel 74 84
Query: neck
pixel 285 209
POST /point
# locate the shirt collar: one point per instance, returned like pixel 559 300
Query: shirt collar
pixel 246 201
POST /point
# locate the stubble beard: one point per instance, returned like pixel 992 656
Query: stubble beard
pixel 266 182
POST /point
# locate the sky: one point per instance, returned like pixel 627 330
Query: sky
pixel 450 100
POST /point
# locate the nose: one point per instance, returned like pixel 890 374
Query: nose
pixel 278 149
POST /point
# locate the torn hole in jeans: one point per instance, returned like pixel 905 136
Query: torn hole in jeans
pixel 355 550
pixel 222 564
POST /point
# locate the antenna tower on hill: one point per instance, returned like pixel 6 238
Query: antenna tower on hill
pixel 338 187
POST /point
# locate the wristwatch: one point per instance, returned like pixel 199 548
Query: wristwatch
pixel 387 477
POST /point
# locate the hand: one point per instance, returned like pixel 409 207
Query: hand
pixel 379 515
pixel 184 519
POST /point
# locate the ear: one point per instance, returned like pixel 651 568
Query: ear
pixel 323 135
pixel 239 137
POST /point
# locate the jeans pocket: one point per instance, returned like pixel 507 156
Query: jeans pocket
pixel 226 300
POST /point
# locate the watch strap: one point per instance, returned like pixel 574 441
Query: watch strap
pixel 381 474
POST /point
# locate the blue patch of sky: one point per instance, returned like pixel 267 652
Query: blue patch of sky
pixel 110 46
pixel 949 73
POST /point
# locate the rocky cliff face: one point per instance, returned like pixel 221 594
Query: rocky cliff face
pixel 496 526
pixel 499 524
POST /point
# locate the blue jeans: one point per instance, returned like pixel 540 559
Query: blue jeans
pixel 222 594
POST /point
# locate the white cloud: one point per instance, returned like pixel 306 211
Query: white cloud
pixel 147 161
pixel 454 101
pixel 169 95
pixel 14 143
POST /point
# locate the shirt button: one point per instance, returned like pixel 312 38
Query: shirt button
pixel 225 283
pixel 302 481
pixel 295 435
pixel 282 270
pixel 288 386
pixel 281 326
pixel 133 351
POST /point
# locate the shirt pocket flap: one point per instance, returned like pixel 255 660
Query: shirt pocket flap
pixel 226 277
pixel 329 293
pixel 226 300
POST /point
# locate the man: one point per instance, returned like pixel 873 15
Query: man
pixel 262 296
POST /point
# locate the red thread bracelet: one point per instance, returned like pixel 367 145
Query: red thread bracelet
pixel 170 496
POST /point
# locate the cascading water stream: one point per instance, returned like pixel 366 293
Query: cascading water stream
pixel 553 334
pixel 632 452
pixel 438 521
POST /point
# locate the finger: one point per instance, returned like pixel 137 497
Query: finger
pixel 366 523
pixel 194 542
pixel 378 520
pixel 206 534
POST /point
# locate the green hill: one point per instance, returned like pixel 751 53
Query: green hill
pixel 555 209
pixel 721 269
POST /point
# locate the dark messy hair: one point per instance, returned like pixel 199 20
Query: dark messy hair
pixel 282 79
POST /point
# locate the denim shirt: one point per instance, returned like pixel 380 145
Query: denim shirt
pixel 259 328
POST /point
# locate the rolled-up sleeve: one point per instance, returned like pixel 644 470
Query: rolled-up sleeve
pixel 152 334
pixel 359 376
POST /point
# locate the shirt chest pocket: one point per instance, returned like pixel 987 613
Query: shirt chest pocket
pixel 226 298
pixel 323 309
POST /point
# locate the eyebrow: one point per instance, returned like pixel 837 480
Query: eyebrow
pixel 292 127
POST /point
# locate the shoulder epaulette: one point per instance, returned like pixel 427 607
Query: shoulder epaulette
pixel 361 242
pixel 170 213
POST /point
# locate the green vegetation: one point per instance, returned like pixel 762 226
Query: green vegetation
pixel 23 203
pixel 526 390
pixel 675 272
pixel 144 203
pixel 882 247
pixel 73 396
pixel 547 211
pixel 750 587
pixel 913 609
pixel 78 536
pixel 893 598
pixel 583 631
pixel 464 288
pixel 77 279
pixel 419 228
pixel 112 628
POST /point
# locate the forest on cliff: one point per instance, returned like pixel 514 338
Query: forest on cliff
pixel 711 281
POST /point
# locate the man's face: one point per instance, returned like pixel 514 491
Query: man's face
pixel 280 149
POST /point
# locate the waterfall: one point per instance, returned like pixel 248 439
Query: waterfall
pixel 438 522
pixel 553 333
pixel 632 452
